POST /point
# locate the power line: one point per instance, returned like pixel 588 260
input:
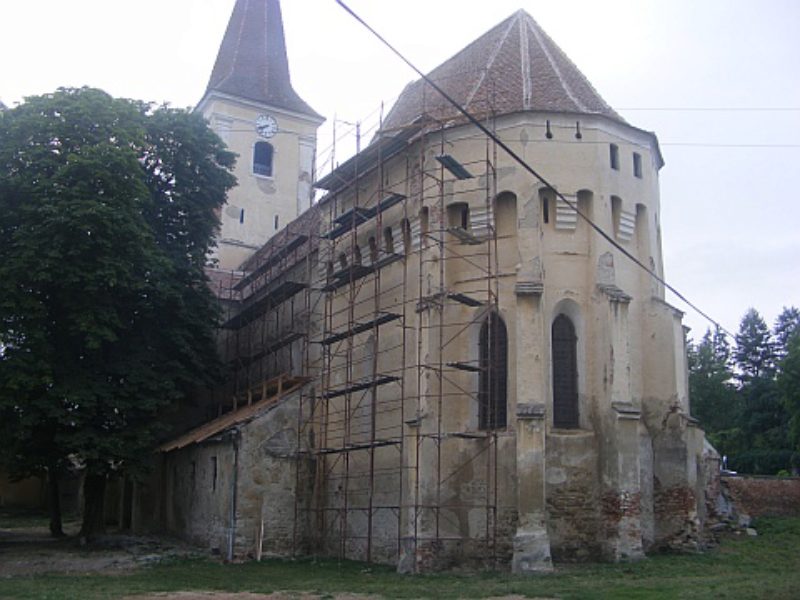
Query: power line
pixel 713 145
pixel 530 169
pixel 716 109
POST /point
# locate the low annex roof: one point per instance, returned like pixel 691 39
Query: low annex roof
pixel 273 392
pixel 513 67
pixel 252 61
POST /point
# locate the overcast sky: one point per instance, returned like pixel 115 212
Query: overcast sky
pixel 730 215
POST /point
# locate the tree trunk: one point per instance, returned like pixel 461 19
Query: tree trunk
pixel 56 525
pixel 94 492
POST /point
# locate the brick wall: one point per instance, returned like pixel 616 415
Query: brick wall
pixel 764 496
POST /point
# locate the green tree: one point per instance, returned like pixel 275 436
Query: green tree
pixel 786 326
pixel 713 396
pixel 763 420
pixel 755 351
pixel 107 212
pixel 789 386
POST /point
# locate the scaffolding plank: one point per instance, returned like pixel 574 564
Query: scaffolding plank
pixel 388 202
pixel 358 386
pixel 359 215
pixel 464 299
pixel 276 296
pixel 356 215
pixel 464 236
pixel 344 276
pixel 355 272
pixel 360 328
pixel 273 259
pixel 364 446
pixel 465 366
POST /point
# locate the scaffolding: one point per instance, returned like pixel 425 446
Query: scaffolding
pixel 373 296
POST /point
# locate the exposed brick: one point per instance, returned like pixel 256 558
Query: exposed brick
pixel 765 496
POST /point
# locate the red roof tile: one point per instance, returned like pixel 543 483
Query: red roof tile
pixel 513 67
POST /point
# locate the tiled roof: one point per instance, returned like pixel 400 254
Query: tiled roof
pixel 252 60
pixel 513 67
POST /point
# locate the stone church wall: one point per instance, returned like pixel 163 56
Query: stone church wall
pixel 254 469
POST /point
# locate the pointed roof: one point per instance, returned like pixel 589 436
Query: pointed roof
pixel 513 67
pixel 252 60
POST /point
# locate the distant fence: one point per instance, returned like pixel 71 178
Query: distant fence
pixel 764 496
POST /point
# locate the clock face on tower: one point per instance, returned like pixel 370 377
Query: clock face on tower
pixel 266 126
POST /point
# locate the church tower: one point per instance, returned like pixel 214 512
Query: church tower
pixel 251 105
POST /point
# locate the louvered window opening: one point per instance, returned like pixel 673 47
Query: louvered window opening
pixel 565 374
pixel 493 377
pixel 262 159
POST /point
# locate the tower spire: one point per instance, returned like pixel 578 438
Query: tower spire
pixel 252 62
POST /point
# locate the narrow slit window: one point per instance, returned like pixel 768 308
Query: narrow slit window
pixel 388 241
pixel 262 159
pixel 424 226
pixel 406 226
pixel 277 222
pixel 614 156
pixel 373 250
pixel 616 214
pixel 637 165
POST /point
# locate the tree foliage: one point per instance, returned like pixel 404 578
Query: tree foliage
pixel 749 399
pixel 711 382
pixel 107 213
pixel 789 386
pixel 755 349
pixel 786 326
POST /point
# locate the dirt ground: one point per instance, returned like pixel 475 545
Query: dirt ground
pixel 31 550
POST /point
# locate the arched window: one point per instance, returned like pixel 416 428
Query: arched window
pixel 616 213
pixel 262 159
pixel 424 225
pixel 388 240
pixel 373 250
pixel 565 374
pixel 493 378
pixel 405 225
pixel 505 214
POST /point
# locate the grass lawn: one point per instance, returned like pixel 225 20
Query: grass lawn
pixel 767 566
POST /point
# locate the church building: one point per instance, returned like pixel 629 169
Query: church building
pixel 441 363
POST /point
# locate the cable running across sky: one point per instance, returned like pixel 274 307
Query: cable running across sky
pixel 532 171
